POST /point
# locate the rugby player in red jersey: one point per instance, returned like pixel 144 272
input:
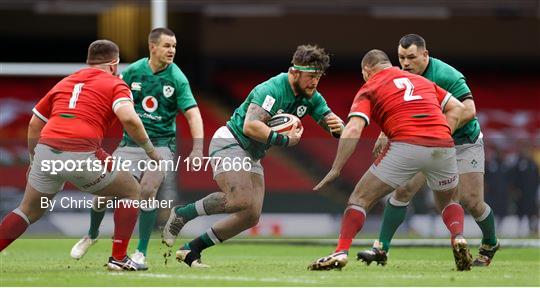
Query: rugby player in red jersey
pixel 409 109
pixel 69 124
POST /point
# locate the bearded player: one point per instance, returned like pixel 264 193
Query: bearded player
pixel 247 137
pixel 414 58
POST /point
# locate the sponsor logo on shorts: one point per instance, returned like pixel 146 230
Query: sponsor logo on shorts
pixel 474 163
pixel 94 182
pixel 447 181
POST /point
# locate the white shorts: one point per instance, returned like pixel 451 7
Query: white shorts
pixel 470 157
pixel 45 180
pixel 401 161
pixel 137 154
pixel 226 148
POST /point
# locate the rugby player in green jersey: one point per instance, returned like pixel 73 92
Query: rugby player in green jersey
pixel 245 139
pixel 160 91
pixel 414 58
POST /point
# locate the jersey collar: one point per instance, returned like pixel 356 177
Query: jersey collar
pixel 427 67
pixel 147 61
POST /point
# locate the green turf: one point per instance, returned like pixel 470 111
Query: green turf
pixel 46 262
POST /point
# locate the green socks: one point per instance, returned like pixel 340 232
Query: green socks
pixel 95 221
pixel 486 222
pixel 207 239
pixel 147 219
pixel 394 215
pixel 191 211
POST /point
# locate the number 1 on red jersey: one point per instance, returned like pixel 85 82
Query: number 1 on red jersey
pixel 75 95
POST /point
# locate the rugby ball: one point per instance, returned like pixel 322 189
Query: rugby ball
pixel 283 123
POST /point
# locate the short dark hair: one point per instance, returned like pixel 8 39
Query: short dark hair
pixel 102 51
pixel 375 57
pixel 154 35
pixel 312 56
pixel 412 39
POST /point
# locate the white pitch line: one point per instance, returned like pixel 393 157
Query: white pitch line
pixel 217 277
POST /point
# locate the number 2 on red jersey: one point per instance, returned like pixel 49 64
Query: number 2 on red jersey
pixel 409 89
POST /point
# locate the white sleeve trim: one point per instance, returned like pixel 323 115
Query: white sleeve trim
pixel 359 114
pixel 445 100
pixel 39 115
pixel 118 101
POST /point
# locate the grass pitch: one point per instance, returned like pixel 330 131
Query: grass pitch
pixel 46 262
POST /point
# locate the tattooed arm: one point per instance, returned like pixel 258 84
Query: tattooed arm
pixel 255 123
pixel 333 124
pixel 255 127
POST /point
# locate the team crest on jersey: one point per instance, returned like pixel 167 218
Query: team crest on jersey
pixel 168 91
pixel 150 104
pixel 301 110
pixel 279 111
pixel 136 86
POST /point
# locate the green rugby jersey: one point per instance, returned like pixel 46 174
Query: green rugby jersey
pixel 275 96
pixel 158 97
pixel 453 81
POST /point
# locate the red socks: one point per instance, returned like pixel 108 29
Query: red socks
pixel 125 217
pixel 12 227
pixel 452 216
pixel 352 222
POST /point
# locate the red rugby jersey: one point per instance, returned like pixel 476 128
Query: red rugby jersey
pixel 406 106
pixel 80 109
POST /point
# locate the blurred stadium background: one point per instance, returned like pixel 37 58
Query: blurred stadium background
pixel 227 47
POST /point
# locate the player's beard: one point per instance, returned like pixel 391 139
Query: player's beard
pixel 300 91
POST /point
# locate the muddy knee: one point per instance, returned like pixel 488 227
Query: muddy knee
pixel 475 208
pixel 133 191
pixel 148 191
pixel 252 216
pixel 238 199
pixel 404 194
pixel 365 200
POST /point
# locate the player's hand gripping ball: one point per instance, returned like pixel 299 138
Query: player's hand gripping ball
pixel 283 123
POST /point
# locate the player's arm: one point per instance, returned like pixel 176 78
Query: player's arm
pixel 453 109
pixel 469 111
pixel 133 125
pixel 255 128
pixel 333 124
pixel 381 142
pixel 348 141
pixel 460 89
pixel 347 144
pixel 34 131
pixel 195 122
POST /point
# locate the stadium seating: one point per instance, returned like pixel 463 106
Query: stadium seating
pixel 507 110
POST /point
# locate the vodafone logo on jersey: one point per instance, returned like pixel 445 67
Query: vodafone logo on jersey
pixel 150 104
